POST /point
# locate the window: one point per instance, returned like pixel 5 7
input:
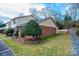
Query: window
pixel 14 21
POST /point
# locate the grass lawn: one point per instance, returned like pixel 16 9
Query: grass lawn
pixel 53 46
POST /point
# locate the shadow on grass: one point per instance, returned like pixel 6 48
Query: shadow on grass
pixel 42 40
pixel 49 36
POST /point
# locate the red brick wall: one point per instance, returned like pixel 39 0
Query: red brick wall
pixel 48 30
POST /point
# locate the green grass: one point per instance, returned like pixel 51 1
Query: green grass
pixel 53 46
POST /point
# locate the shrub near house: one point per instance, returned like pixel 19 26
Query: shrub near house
pixel 31 29
pixel 8 32
pixel 77 32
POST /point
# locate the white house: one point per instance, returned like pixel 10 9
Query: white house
pixel 18 21
pixel 8 24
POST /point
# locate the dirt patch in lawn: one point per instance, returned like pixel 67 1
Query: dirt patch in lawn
pixel 22 40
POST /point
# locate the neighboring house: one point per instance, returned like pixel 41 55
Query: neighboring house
pixel 2 29
pixel 47 25
pixel 8 24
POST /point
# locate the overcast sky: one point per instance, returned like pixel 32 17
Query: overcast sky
pixel 12 10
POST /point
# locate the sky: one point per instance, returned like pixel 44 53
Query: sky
pixel 11 10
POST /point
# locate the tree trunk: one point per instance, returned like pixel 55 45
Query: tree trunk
pixel 33 37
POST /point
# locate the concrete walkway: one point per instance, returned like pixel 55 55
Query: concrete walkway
pixel 75 43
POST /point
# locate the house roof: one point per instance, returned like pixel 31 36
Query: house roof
pixel 42 20
pixel 45 22
pixel 7 22
pixel 39 21
pixel 22 17
pixel 48 22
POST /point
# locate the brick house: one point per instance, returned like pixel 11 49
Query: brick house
pixel 47 25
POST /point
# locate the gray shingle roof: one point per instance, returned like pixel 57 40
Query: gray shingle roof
pixel 22 17
pixel 42 20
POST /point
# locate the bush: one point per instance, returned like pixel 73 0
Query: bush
pixel 67 21
pixel 77 32
pixel 1 31
pixel 59 24
pixel 8 32
pixel 32 28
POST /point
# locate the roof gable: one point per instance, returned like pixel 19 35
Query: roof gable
pixel 48 22
pixel 21 17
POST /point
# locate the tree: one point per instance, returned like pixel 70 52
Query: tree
pixel 43 13
pixel 59 24
pixel 34 13
pixel 75 23
pixel 67 21
pixel 47 12
pixel 74 7
pixel 2 25
pixel 32 28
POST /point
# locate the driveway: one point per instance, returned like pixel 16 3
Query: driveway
pixel 75 43
pixel 5 50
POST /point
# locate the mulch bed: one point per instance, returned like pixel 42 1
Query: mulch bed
pixel 21 40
